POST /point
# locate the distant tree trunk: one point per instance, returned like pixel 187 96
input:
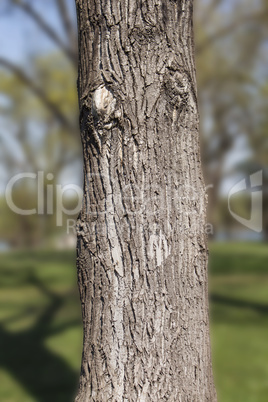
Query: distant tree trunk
pixel 142 251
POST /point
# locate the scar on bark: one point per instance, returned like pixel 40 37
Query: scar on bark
pixel 104 108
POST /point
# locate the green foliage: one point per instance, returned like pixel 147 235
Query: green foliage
pixel 230 39
pixel 37 142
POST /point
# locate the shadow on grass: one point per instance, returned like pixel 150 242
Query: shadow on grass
pixel 42 373
pixel 232 302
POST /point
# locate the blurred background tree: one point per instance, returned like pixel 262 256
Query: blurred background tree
pixel 38 103
pixel 231 38
pixel 39 132
pixel 39 116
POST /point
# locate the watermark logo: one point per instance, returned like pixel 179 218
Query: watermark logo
pixel 45 203
pixel 132 199
pixel 255 220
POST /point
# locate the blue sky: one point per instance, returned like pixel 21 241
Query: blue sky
pixel 20 41
pixel 20 38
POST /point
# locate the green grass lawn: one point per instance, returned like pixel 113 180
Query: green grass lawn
pixel 41 336
pixel 239 321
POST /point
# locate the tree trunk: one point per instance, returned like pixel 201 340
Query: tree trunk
pixel 142 251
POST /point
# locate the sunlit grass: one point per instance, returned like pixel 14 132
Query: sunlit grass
pixel 239 321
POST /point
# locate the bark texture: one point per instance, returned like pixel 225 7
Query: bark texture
pixel 142 252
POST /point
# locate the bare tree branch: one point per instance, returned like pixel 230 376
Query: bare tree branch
pixel 68 25
pixel 227 30
pixel 209 10
pixel 38 92
pixel 26 7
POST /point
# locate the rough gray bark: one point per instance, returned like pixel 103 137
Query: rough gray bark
pixel 142 252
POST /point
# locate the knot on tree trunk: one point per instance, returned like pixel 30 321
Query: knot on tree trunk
pixel 104 109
